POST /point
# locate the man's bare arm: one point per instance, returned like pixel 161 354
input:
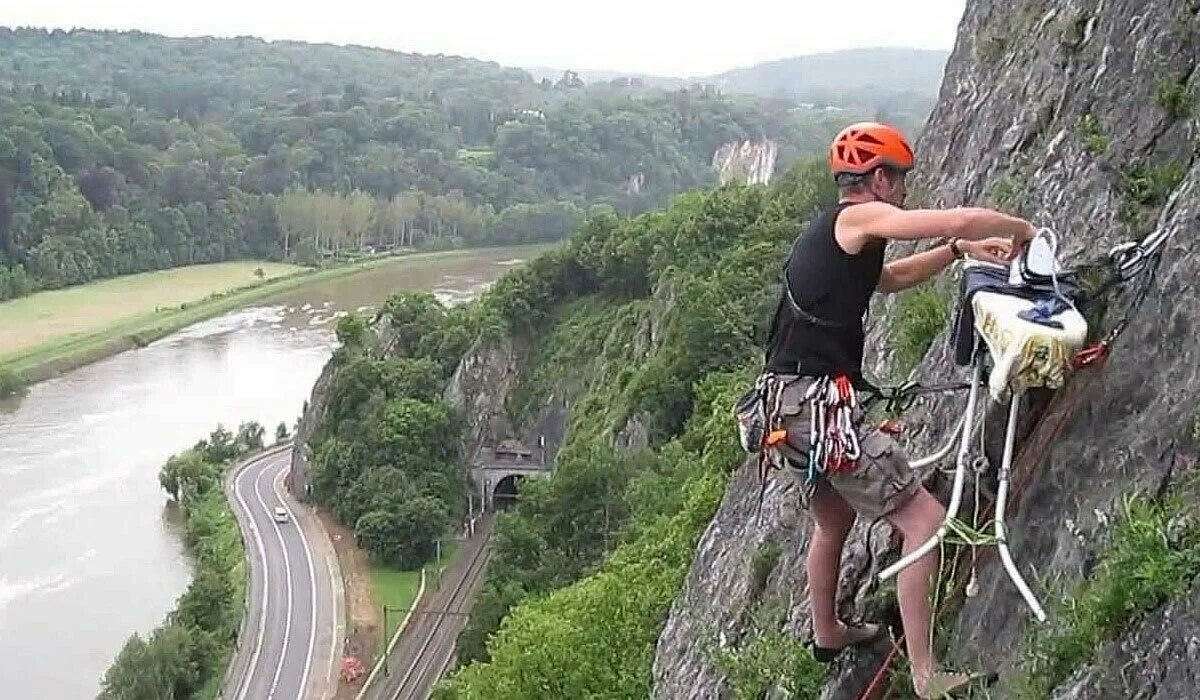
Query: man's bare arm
pixel 912 270
pixel 881 220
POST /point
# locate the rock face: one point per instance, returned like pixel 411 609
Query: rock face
pixel 1078 115
pixel 749 161
pixel 481 390
pixel 310 417
pixel 1156 661
pixel 381 339
pixel 477 392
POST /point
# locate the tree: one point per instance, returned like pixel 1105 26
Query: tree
pixel 294 210
pixel 356 215
pixel 249 438
pixel 10 382
pixel 187 475
pixel 99 187
pixel 220 445
pixel 414 317
pixel 351 331
pixel 162 667
pixel 281 432
pixel 405 537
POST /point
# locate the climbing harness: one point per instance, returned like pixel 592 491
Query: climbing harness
pixel 832 440
pixel 835 407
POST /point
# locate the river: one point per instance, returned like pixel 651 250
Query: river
pixel 90 549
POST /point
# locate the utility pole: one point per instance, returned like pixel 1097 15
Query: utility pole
pixel 383 644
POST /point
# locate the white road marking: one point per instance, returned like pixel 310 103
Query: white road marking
pixel 243 684
pixel 312 581
pixel 287 566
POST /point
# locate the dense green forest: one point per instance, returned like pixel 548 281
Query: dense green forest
pixel 382 458
pixel 124 152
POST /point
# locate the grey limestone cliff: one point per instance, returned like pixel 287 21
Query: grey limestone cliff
pixel 1079 115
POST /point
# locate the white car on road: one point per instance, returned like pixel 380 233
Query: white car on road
pixel 281 514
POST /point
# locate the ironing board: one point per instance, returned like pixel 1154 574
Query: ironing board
pixel 1024 354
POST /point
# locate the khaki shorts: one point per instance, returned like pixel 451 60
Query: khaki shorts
pixel 878 484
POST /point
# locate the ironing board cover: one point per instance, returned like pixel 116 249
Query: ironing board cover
pixel 1024 354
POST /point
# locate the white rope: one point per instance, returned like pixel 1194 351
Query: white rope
pixel 1052 241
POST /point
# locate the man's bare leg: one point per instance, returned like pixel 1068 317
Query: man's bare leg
pixel 917 520
pixel 833 518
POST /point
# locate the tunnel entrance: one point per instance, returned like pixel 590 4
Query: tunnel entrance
pixel 505 493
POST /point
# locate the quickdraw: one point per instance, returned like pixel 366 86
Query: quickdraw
pixel 1130 260
pixel 1090 355
pixel 832 440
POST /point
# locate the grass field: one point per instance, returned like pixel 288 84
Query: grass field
pixel 395 590
pixel 398 589
pixel 62 313
pixel 72 347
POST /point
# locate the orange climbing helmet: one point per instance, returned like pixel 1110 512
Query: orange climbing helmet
pixel 860 148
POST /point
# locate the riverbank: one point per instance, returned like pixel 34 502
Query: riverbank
pixel 47 359
pixel 190 651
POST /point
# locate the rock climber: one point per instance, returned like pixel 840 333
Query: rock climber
pixel 832 271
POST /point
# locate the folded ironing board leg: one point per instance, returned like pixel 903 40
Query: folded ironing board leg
pixel 937 456
pixel 1002 502
pixel 960 469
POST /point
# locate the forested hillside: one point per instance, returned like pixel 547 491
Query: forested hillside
pixel 123 152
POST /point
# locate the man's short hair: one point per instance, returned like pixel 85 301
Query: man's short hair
pixel 846 180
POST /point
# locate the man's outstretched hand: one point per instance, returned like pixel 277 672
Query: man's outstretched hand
pixel 992 250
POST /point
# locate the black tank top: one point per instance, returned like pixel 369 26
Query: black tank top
pixel 833 289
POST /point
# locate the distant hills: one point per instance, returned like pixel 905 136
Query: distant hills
pixel 829 77
pixel 892 82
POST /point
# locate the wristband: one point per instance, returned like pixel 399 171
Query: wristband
pixel 956 250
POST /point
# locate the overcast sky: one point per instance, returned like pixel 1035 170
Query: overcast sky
pixel 666 37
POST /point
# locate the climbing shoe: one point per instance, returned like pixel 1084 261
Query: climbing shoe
pixel 856 635
pixel 943 684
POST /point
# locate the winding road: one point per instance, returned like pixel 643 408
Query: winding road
pixel 288 645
